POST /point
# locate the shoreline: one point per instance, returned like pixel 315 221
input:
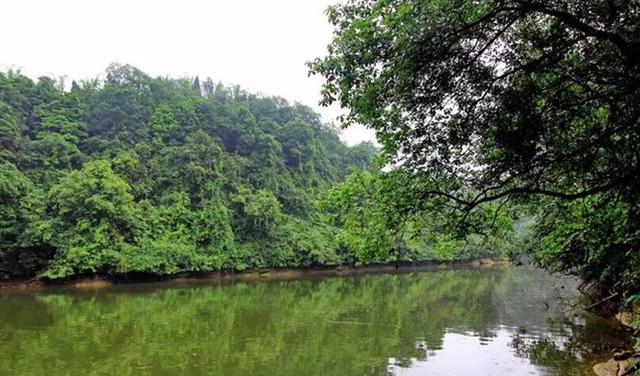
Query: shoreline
pixel 255 274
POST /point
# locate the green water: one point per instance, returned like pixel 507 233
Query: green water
pixel 497 321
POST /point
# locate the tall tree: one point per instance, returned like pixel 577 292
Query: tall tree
pixel 511 98
pixel 9 132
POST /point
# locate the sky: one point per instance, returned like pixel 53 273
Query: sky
pixel 262 45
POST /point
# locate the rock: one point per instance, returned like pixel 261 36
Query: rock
pixel 609 368
pixel 340 268
pixel 623 367
pixel 625 318
pixel 622 355
pixel 92 283
pixel 492 261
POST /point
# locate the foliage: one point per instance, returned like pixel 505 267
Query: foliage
pixel 368 208
pixel 141 175
pixel 134 174
pixel 94 220
pixel 535 102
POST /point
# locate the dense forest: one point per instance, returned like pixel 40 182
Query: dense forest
pixel 132 174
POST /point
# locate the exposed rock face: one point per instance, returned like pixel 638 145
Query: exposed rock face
pixel 494 261
pixel 625 317
pixel 623 367
pixel 613 367
pixel 92 283
pixel 609 368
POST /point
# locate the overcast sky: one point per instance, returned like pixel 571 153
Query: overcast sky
pixel 262 45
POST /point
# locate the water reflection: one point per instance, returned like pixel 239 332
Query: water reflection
pixel 496 321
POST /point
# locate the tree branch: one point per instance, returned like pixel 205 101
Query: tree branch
pixel 629 50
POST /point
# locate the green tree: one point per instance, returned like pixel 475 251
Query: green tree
pixel 258 213
pixel 9 133
pixel 95 220
pixel 506 99
pixel 140 174
pixel 13 188
pixel 359 213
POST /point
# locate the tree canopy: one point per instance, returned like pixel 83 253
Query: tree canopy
pixel 135 174
pixel 495 100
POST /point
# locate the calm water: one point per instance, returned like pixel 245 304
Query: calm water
pixel 499 321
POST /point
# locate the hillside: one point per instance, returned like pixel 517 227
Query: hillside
pixel 136 174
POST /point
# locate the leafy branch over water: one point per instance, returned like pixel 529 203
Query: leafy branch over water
pixel 534 102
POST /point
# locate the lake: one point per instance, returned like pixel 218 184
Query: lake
pixel 507 320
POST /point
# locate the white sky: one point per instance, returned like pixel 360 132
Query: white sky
pixel 262 45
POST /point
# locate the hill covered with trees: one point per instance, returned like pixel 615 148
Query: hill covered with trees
pixel 140 174
pixel 134 174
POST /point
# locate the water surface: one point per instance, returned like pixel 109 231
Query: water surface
pixel 498 321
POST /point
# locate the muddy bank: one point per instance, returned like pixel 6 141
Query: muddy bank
pixel 94 282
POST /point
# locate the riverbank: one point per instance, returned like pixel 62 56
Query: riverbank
pixel 102 281
pixel 626 361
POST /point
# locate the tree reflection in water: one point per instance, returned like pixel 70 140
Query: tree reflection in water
pixel 462 321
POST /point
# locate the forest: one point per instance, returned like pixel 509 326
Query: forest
pixel 130 174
